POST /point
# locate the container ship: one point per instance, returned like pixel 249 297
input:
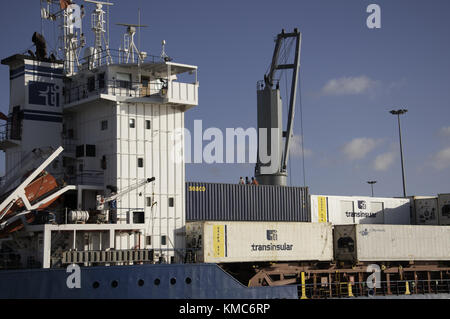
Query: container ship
pixel 94 205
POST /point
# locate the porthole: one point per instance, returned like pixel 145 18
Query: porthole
pixel 173 281
pixel 114 283
pixel 96 284
pixel 188 281
pixel 140 282
pixel 157 282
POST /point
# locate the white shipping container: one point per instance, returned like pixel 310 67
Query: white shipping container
pixel 376 243
pixel 444 209
pixel 425 210
pixel 345 210
pixel 227 242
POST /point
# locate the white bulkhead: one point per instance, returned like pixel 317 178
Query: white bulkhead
pixel 120 124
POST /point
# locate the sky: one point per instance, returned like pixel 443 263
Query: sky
pixel 350 78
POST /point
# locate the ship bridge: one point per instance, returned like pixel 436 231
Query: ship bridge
pixel 162 82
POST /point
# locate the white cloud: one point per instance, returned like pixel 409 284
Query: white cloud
pixel 445 131
pixel 358 148
pixel 349 86
pixel 384 161
pixel 441 159
pixel 296 147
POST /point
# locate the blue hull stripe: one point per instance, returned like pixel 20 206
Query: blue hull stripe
pixel 43 69
pixel 16 71
pixel 48 75
pixel 42 118
pixel 43 112
pixel 16 76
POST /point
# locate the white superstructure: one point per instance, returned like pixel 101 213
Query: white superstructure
pixel 118 123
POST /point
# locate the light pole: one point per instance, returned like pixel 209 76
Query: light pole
pixel 371 184
pixel 398 113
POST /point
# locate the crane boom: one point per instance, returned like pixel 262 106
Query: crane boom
pixel 101 201
pixel 270 115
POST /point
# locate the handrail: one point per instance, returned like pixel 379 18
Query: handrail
pixel 360 289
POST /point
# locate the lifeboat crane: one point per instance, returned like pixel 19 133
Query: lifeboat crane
pixel 38 191
pixel 104 204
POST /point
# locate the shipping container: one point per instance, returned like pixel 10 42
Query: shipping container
pixel 425 210
pixel 382 243
pixel 444 209
pixel 235 242
pixel 345 210
pixel 233 202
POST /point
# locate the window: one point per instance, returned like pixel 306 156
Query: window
pixel 70 133
pixel 132 123
pixel 164 240
pixel 148 240
pixel 171 202
pixel 104 125
pixel 80 151
pixel 140 162
pixel 101 81
pixel 145 80
pixel 123 80
pixel 90 150
pixel 16 123
pixel 148 124
pixel 149 201
pixel 91 83
pixel 103 162
pixel 138 218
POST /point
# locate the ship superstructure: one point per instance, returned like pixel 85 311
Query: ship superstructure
pixel 119 116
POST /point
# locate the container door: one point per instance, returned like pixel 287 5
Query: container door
pixel 344 242
pixel 444 209
pixel 426 211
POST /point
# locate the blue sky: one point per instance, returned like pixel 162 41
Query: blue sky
pixel 351 76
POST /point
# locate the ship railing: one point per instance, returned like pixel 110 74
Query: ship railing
pixel 361 289
pixel 87 177
pixel 9 131
pixel 116 88
pixel 111 56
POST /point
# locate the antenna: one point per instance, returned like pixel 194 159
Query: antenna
pixel 98 27
pixel 129 47
pixel 70 41
pixel 164 56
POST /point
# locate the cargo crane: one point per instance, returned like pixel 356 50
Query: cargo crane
pixel 105 204
pixel 109 202
pixel 274 172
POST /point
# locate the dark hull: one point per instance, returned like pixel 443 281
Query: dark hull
pixel 206 281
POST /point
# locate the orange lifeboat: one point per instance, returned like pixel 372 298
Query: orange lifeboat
pixel 35 191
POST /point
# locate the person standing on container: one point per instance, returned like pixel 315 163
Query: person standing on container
pixel 241 181
pixel 254 181
pixel 247 181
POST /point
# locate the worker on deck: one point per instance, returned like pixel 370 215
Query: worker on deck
pixel 241 181
pixel 254 181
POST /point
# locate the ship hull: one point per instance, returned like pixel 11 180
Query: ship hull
pixel 176 281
